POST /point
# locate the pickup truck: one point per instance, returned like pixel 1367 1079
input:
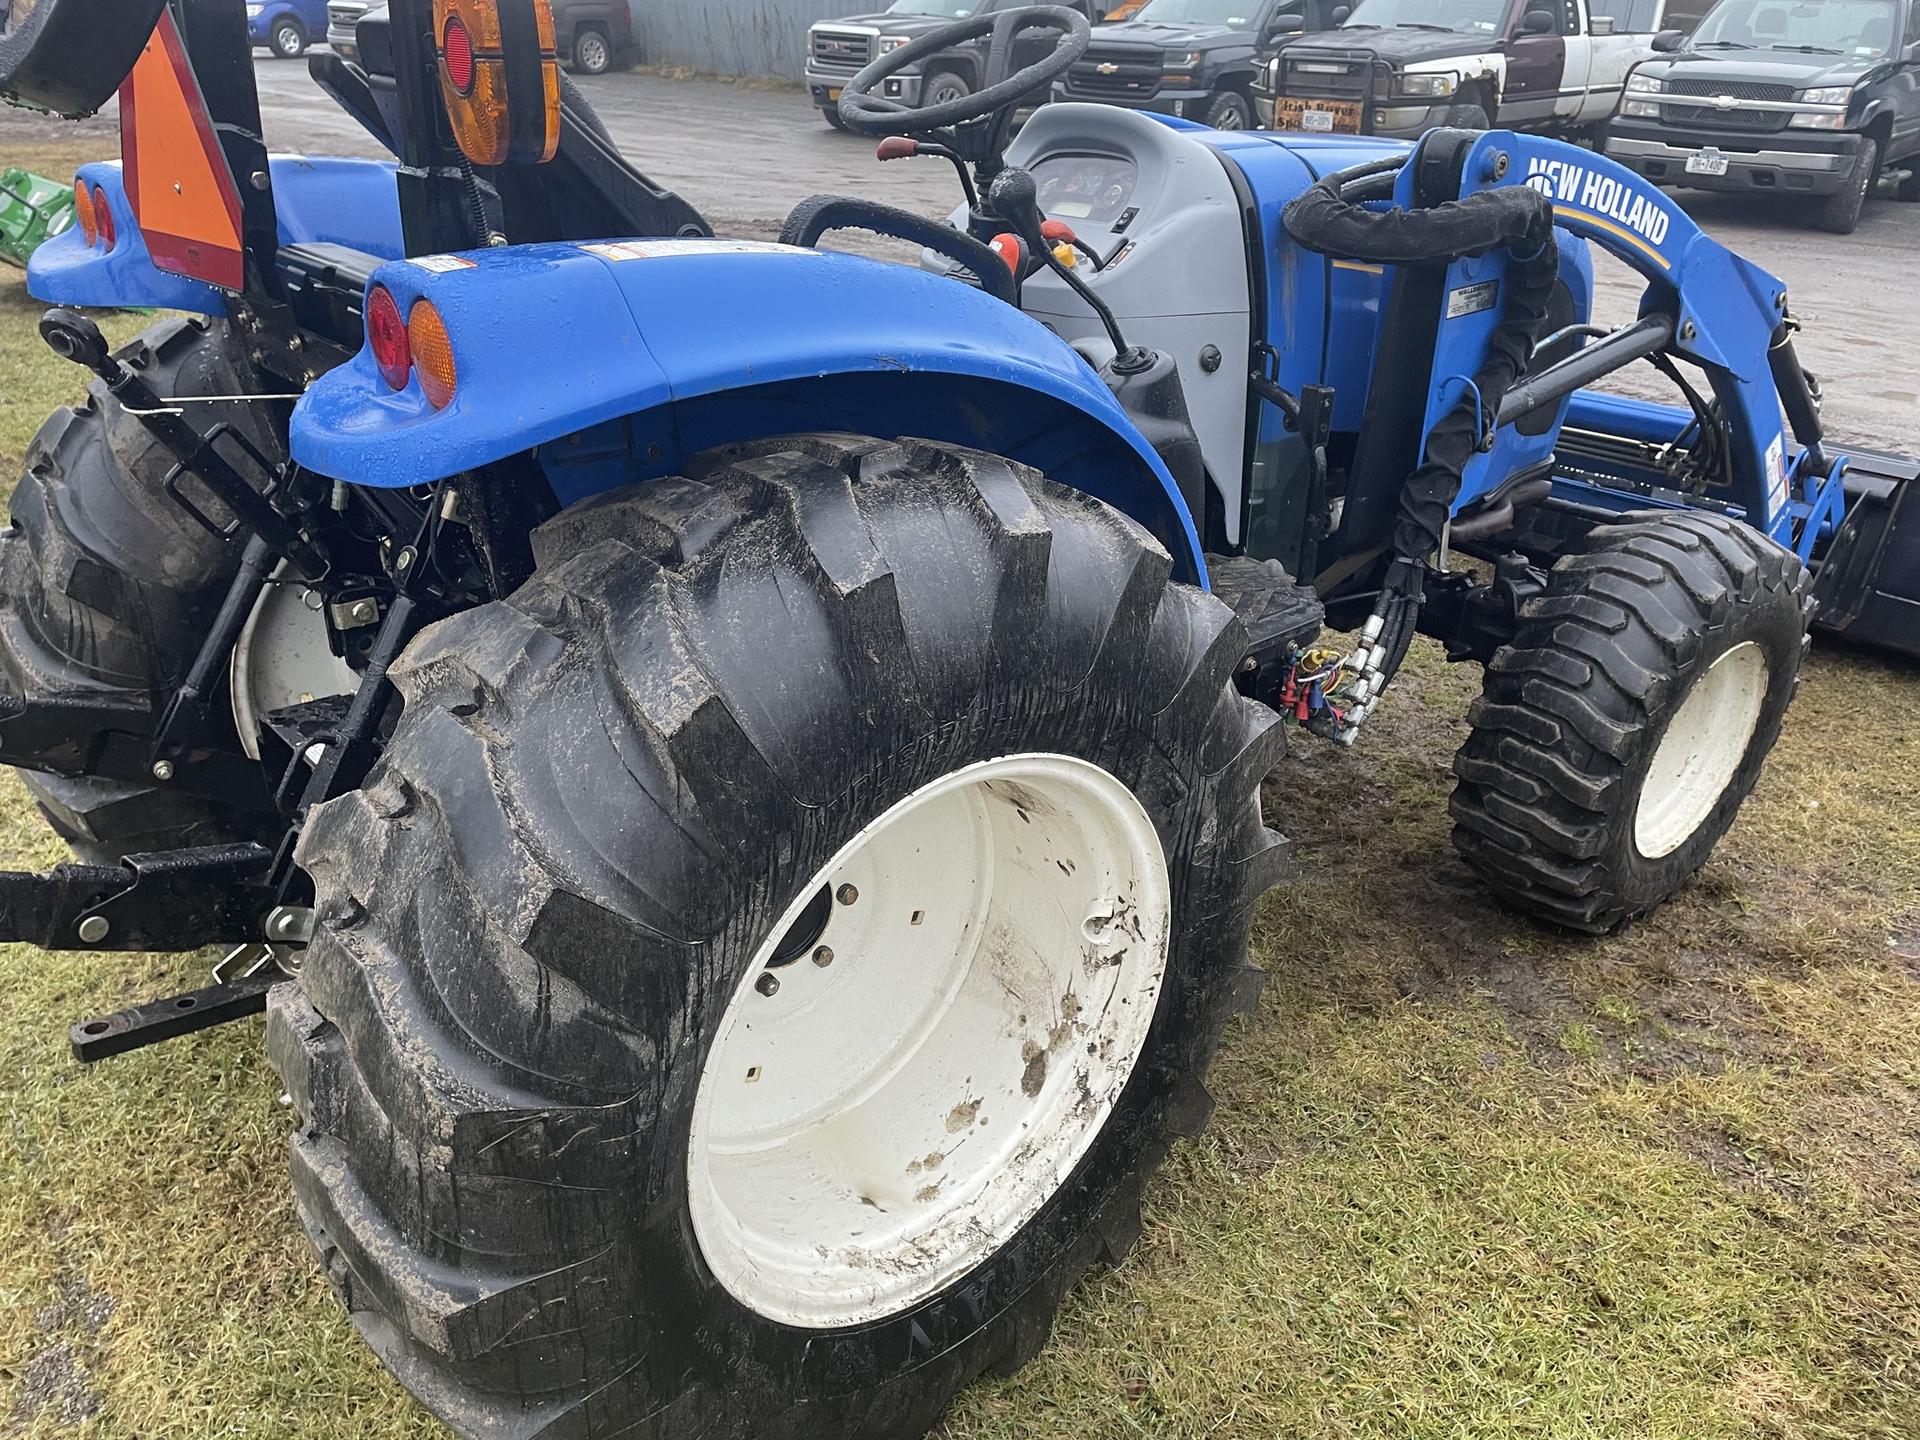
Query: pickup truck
pixel 594 35
pixel 1401 67
pixel 837 50
pixel 1194 58
pixel 1813 102
pixel 286 27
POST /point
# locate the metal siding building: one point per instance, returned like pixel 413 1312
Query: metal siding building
pixel 736 37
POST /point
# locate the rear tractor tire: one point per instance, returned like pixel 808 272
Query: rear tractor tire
pixel 107 587
pixel 1621 731
pixel 775 949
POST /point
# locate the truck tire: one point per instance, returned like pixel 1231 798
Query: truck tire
pixel 592 51
pixel 288 38
pixel 831 114
pixel 1469 113
pixel 602 967
pixel 944 86
pixel 107 586
pixel 1620 732
pixel 1840 212
pixel 1229 110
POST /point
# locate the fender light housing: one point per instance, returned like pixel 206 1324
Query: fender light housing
pixel 499 67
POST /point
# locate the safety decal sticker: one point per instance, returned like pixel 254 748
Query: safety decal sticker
pixel 1776 476
pixel 442 264
pixel 1472 299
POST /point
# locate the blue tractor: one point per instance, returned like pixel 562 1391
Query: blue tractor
pixel 746 826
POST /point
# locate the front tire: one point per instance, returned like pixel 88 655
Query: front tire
pixel 943 87
pixel 1620 732
pixel 1230 110
pixel 289 38
pixel 616 818
pixel 1839 213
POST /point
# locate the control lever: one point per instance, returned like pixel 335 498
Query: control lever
pixel 1015 199
pixel 905 147
pixel 1058 232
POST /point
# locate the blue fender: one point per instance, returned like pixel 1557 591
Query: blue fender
pixel 617 362
pixel 318 200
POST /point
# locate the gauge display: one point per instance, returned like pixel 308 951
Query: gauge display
pixel 1091 188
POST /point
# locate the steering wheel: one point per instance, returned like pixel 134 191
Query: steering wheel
pixel 869 114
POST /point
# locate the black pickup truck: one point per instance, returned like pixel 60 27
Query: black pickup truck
pixel 1193 58
pixel 837 50
pixel 1816 100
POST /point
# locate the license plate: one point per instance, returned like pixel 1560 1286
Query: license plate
pixel 834 94
pixel 1706 162
pixel 1317 117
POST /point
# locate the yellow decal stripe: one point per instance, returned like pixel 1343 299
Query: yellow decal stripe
pixel 1625 234
pixel 1356 265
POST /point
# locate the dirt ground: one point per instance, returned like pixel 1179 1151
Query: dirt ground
pixel 1467 1177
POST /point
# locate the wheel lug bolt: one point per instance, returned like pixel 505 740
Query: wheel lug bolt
pixel 847 895
pixel 768 984
pixel 823 957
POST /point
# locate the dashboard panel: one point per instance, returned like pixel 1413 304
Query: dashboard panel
pixel 1089 190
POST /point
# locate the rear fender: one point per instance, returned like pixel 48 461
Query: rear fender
pixel 618 362
pixel 318 200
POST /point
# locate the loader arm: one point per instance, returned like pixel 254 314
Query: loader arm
pixel 1705 309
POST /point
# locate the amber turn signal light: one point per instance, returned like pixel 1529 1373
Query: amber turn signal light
pixel 500 78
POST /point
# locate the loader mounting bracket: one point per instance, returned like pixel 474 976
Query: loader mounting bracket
pixel 170 900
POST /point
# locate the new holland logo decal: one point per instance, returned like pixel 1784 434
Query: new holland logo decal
pixel 1582 193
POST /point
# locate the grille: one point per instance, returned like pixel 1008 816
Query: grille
pixel 1739 89
pixel 1318 75
pixel 1753 122
pixel 1112 74
pixel 343 17
pixel 835 50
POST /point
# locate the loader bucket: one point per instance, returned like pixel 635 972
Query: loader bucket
pixel 69 56
pixel 1868 583
pixel 32 209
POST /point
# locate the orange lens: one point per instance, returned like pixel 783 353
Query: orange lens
pixel 83 210
pixel 432 354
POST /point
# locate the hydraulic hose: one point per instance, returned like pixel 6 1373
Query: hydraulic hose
pixel 1332 218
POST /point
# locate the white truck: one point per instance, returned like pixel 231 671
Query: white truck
pixel 1401 67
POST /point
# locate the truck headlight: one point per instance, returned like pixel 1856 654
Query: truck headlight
pixel 1638 85
pixel 891 43
pixel 1183 59
pixel 1429 85
pixel 1841 95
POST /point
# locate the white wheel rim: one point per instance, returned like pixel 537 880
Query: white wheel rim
pixel 1702 748
pixel 593 51
pixel 283 658
pixel 881 1125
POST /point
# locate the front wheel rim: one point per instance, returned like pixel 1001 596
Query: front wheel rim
pixel 1700 751
pixel 929 1042
pixel 593 53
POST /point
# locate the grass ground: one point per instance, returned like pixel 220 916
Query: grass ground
pixel 1467 1178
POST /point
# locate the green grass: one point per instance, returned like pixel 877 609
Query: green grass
pixel 1467 1178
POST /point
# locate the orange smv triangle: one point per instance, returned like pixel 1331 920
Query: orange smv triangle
pixel 178 182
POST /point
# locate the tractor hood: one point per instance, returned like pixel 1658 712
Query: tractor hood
pixel 1152 37
pixel 1396 48
pixel 1764 67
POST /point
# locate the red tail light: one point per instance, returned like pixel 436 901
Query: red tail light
pixel 103 216
pixel 387 337
pixel 457 47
